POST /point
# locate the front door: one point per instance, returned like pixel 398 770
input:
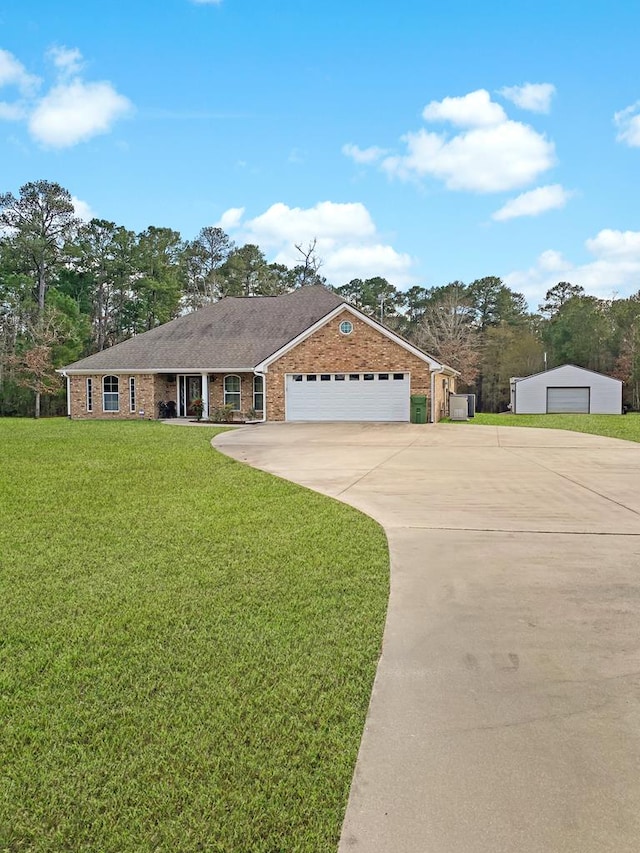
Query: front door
pixel 194 392
pixel 189 389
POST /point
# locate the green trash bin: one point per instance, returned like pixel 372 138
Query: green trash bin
pixel 418 409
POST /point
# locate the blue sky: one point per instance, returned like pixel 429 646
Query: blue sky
pixel 419 141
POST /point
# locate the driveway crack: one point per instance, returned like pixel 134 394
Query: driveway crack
pixel 375 467
pixel 511 530
pixel 571 480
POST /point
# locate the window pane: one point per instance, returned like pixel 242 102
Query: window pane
pixel 339 377
pixel 232 392
pixel 398 375
pixel 383 376
pixel 312 377
pixel 258 401
pixel 257 383
pixel 368 377
pixel 110 396
pixel 325 377
pixel 297 378
pixel 354 377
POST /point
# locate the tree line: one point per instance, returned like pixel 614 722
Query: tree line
pixel 69 289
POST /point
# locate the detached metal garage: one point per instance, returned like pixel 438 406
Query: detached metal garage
pixel 566 390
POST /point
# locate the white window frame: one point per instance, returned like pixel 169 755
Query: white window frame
pixel 258 393
pixel 89 392
pixel 115 394
pixel 237 393
pixel 132 393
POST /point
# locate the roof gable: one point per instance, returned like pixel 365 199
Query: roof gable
pixel 564 368
pixel 346 307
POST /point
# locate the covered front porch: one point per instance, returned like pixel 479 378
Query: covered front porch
pixel 183 393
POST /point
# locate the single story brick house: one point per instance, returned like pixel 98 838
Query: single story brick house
pixel 304 356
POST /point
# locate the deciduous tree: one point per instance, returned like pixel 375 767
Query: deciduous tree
pixel 447 330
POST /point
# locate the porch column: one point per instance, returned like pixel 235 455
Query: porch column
pixel 205 395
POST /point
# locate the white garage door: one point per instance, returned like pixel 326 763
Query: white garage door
pixel 568 401
pixel 347 397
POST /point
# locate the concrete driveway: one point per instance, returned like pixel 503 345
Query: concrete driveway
pixel 505 715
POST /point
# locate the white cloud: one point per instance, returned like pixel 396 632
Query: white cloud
pixel 82 209
pixel 485 160
pixel 13 73
pixel 535 97
pixel 534 202
pixel 72 111
pixel 355 261
pixel 230 218
pixel 628 124
pixel 363 155
pixel 347 240
pixel 491 153
pixel 75 112
pixel 552 261
pixel 614 269
pixel 615 245
pixel 67 60
pixel 326 221
pixel 473 110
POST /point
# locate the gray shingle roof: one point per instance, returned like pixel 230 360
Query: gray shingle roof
pixel 235 333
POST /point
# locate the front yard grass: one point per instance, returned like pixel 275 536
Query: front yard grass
pixel 187 646
pixel 614 426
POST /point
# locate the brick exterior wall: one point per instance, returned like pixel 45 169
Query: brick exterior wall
pixel 164 391
pixel 216 391
pixel 145 397
pixel 151 389
pixel 328 351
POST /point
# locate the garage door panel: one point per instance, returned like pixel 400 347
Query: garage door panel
pixel 567 401
pixel 348 399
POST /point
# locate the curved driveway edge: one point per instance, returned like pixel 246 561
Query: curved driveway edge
pixel 505 713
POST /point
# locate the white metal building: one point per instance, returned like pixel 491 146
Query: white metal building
pixel 568 390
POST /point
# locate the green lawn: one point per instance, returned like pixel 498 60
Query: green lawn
pixel 187 646
pixel 615 426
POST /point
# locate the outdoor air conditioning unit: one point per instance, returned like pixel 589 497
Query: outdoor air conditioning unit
pixel 458 407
